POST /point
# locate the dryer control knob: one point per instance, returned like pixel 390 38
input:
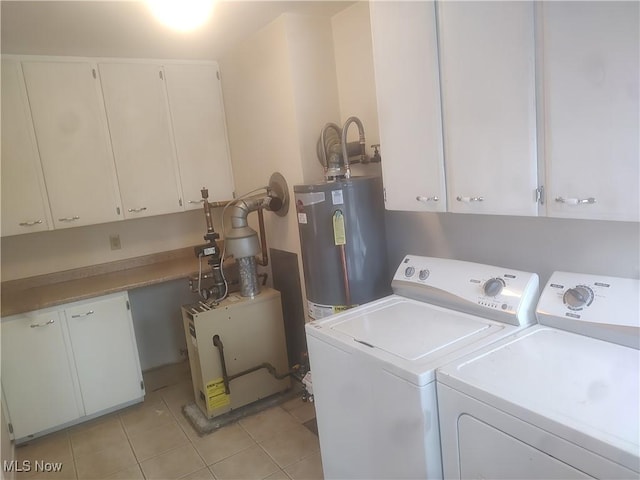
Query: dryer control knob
pixel 493 287
pixel 577 297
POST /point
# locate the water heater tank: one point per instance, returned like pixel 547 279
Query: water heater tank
pixel 342 235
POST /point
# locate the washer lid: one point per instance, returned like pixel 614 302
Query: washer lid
pixel 410 330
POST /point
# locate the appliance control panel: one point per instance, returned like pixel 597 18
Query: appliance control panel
pixel 591 298
pixel 493 292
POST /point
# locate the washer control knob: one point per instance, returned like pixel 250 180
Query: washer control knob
pixel 577 297
pixel 493 287
pixel 409 271
pixel 424 274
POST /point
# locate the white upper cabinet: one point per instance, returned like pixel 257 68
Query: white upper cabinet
pixel 487 61
pixel 197 116
pixel 73 140
pixel 25 207
pixel 591 68
pixel 408 96
pixel 138 114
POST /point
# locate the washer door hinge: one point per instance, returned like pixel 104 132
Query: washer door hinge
pixel 540 195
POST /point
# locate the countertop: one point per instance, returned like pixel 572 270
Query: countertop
pixel 43 291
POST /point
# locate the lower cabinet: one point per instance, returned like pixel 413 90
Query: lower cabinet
pixel 66 364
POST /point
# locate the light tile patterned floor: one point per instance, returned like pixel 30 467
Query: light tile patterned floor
pixel 153 440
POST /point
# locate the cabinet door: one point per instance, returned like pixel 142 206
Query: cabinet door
pixel 488 100
pixel 137 109
pixel 71 130
pixel 591 53
pixel 37 374
pixel 25 207
pixel 197 116
pixel 407 89
pixel 105 352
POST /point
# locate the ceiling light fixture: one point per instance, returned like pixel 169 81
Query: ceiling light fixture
pixel 182 15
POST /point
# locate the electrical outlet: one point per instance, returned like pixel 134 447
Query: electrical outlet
pixel 114 240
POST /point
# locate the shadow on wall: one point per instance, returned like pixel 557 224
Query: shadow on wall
pixel 286 280
pixel 157 321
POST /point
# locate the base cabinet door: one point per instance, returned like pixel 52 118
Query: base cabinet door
pixel 67 364
pixel 105 352
pixel 38 373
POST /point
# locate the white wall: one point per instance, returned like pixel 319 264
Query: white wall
pixel 355 74
pixel 315 88
pixel 279 90
pixel 354 65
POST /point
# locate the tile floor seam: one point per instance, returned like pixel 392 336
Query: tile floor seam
pixel 126 434
pixel 230 455
pixel 186 434
pixel 304 456
pixel 189 439
pixel 75 458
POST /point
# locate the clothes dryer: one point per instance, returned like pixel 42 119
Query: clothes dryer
pixel 558 400
pixel 374 366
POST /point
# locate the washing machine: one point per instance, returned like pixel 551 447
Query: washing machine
pixel 374 366
pixel 557 400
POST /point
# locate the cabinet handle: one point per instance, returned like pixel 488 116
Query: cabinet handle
pixel 136 210
pixel 576 201
pixel 90 312
pixel 37 325
pixel 421 198
pixel 30 224
pixel 196 201
pixel 470 199
pixel 69 219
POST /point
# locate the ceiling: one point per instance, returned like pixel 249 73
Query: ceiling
pixel 117 28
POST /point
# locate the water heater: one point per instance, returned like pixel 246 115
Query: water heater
pixel 342 236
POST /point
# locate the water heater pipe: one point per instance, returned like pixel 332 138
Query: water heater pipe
pixel 345 155
pixel 325 159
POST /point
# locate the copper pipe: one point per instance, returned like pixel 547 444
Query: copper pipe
pixel 345 273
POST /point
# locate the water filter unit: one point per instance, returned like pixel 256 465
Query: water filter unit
pixel 342 235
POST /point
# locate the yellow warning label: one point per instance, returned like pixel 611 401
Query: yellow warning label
pixel 216 396
pixel 339 236
pixel 342 308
